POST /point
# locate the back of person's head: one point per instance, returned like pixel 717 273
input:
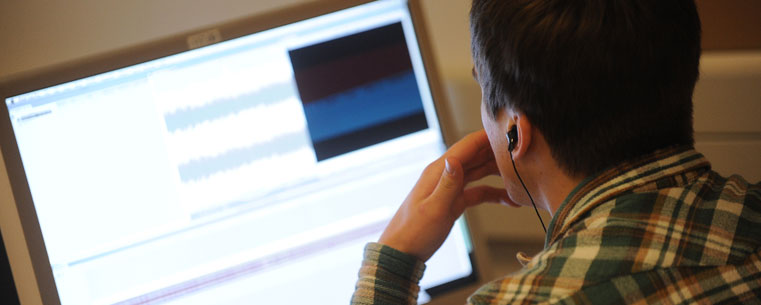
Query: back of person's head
pixel 604 81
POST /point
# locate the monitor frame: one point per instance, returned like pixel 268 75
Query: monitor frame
pixel 32 242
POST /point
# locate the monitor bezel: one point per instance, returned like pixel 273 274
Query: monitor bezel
pixel 93 65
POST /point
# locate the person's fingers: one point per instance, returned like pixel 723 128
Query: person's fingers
pixel 483 156
pixel 480 194
pixel 428 180
pixel 450 184
pixel 474 148
pixel 471 149
pixel 486 169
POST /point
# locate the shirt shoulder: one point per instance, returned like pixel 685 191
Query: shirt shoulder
pixel 659 231
pixel 727 284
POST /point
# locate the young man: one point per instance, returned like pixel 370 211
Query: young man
pixel 592 101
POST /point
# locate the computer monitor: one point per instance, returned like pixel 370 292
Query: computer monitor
pixel 247 163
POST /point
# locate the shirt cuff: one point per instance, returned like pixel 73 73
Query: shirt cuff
pixel 388 276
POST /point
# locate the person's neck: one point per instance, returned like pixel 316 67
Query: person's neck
pixel 554 187
pixel 551 184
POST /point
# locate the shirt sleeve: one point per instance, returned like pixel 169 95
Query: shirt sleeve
pixel 387 276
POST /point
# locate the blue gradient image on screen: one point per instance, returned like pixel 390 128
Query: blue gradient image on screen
pixel 358 90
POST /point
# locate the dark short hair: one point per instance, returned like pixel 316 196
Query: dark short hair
pixel 604 81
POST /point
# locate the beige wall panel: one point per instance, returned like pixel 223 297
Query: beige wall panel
pixel 729 157
pixel 501 223
pixel 730 24
pixel 464 103
pixel 728 94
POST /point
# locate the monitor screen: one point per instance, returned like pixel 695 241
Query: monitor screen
pixel 250 170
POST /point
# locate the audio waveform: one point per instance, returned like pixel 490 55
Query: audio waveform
pixel 205 167
pixel 224 107
pixel 257 124
pixel 232 75
pixel 246 182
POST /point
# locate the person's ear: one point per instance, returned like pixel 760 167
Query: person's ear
pixel 512 137
pixel 518 135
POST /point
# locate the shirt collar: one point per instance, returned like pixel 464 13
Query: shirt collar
pixel 626 177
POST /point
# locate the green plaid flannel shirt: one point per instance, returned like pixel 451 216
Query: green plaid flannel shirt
pixel 664 229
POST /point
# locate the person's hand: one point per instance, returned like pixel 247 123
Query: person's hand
pixel 439 197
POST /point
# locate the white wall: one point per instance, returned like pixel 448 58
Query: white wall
pixel 40 33
pixel 37 33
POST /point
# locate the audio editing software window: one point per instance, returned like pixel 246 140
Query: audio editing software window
pixel 236 171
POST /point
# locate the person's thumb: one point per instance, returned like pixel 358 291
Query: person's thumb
pixel 450 183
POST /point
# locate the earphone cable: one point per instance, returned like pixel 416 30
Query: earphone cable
pixel 527 192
